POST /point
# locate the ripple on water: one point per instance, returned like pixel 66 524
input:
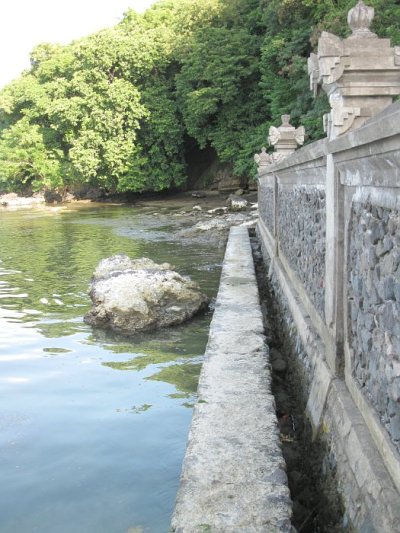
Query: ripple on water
pixel 92 425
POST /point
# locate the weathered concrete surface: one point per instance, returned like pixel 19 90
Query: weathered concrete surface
pixel 233 477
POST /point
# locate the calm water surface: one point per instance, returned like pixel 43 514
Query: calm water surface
pixel 92 426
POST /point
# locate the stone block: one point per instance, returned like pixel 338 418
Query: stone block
pixel 384 246
pixel 394 426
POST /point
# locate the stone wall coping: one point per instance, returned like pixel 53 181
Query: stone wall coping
pixel 379 134
pixel 309 153
pixel 233 476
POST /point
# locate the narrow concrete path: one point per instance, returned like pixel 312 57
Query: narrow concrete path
pixel 233 477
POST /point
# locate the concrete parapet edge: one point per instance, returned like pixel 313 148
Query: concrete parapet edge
pixel 233 476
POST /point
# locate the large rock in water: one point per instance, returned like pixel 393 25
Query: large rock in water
pixel 130 296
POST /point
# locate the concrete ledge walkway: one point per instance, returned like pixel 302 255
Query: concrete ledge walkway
pixel 233 477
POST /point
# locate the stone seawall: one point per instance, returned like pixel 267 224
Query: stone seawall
pixel 334 262
pixel 369 496
pixel 233 476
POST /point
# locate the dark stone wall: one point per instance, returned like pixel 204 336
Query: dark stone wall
pixel 374 309
pixel 285 327
pixel 266 206
pixel 321 456
pixel 301 224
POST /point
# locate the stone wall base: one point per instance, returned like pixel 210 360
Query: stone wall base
pixel 369 495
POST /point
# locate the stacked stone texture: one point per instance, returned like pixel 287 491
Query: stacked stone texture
pixel 302 223
pixel 288 333
pixel 374 309
pixel 266 206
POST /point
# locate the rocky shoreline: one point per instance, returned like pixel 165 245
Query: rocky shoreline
pixel 12 199
pixel 206 215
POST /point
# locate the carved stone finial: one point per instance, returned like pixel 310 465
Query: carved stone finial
pixel 285 120
pixel 285 139
pixel 262 159
pixel 360 18
pixel 359 74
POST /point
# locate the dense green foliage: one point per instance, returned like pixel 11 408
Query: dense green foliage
pixel 119 108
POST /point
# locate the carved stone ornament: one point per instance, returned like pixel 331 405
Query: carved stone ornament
pixel 274 136
pixel 397 56
pixel 342 118
pixel 327 123
pixel 359 74
pixel 277 157
pixel 285 139
pixel 313 72
pixel 262 159
pixel 299 135
pixel 360 19
pixel 331 58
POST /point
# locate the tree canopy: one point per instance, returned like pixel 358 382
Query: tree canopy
pixel 119 108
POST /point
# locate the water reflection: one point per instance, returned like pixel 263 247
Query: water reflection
pixel 183 345
pixel 183 376
pixel 69 441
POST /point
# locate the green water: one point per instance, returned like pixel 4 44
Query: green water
pixel 93 426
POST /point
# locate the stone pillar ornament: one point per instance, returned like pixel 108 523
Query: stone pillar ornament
pixel 360 74
pixel 262 159
pixel 285 139
pixel 359 19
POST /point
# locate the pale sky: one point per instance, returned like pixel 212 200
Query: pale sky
pixel 26 23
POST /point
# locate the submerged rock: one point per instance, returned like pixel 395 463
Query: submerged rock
pixel 218 211
pixel 209 225
pixel 130 296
